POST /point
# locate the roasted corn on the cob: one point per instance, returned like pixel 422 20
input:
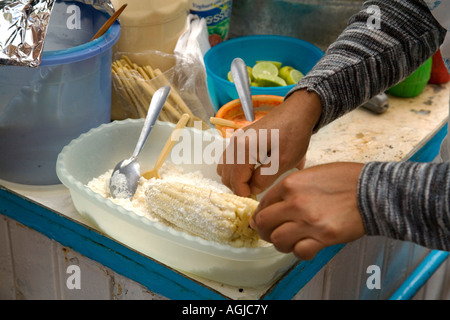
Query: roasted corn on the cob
pixel 221 217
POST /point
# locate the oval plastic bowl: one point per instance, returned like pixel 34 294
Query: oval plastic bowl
pixel 98 150
pixel 234 108
pixel 290 51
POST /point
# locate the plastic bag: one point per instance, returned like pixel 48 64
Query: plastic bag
pixel 136 76
pixel 134 86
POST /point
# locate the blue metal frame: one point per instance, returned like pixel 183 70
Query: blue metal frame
pixel 420 275
pixel 435 258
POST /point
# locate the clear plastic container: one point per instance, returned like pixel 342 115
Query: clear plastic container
pixel 99 150
pixel 43 109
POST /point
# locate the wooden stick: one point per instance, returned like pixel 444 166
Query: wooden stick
pixel 225 123
pixel 127 60
pixel 176 95
pixel 140 104
pixel 167 147
pixel 138 84
pixel 109 22
pixel 148 88
pixel 150 72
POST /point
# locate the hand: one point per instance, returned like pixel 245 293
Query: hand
pixel 311 209
pixel 294 121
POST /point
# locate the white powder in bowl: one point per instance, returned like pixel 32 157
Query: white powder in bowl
pixel 139 204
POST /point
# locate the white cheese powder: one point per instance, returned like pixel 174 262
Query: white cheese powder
pixel 139 204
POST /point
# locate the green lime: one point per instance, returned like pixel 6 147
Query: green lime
pixel 284 72
pixel 269 80
pixel 294 77
pixel 254 84
pixel 264 68
pixel 275 63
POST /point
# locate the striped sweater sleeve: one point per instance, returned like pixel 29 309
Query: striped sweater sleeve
pixel 363 62
pixel 400 200
pixel 407 201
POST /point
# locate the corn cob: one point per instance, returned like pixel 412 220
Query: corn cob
pixel 220 217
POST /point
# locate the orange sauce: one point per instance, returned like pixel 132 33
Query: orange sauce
pixel 240 119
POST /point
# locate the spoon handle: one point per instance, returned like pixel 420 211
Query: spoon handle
pixel 240 77
pixel 156 105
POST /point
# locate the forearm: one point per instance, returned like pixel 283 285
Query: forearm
pixel 407 201
pixel 364 62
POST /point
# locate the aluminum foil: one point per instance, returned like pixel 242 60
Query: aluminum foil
pixel 23 26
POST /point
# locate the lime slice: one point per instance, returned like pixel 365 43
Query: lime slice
pixel 275 63
pixel 250 73
pixel 269 80
pixel 250 76
pixel 284 72
pixel 229 77
pixel 264 68
pixel 294 77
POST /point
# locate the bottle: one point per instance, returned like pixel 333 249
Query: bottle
pixel 439 73
pixel 217 15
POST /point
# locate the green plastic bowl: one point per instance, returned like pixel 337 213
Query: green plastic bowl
pixel 413 85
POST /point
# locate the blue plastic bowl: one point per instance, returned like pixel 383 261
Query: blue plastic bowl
pixel 290 51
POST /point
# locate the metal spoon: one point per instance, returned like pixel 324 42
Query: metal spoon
pixel 240 77
pixel 125 177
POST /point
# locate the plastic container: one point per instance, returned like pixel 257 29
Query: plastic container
pixel 439 73
pixel 43 109
pixel 233 109
pixel 289 51
pixel 151 25
pixel 217 16
pixel 99 150
pixel 413 85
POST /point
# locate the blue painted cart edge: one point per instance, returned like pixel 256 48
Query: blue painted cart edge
pixel 302 273
pixel 96 246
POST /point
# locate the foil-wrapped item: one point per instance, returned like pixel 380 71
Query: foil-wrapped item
pixel 24 24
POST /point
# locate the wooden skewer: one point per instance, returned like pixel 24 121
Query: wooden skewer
pixel 109 23
pixel 154 173
pixel 138 86
pixel 225 123
pixel 174 93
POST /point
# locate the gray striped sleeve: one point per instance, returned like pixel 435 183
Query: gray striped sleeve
pixel 363 62
pixel 407 201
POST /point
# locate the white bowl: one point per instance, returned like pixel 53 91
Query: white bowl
pixel 98 150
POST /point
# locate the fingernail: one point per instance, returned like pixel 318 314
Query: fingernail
pixel 252 223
